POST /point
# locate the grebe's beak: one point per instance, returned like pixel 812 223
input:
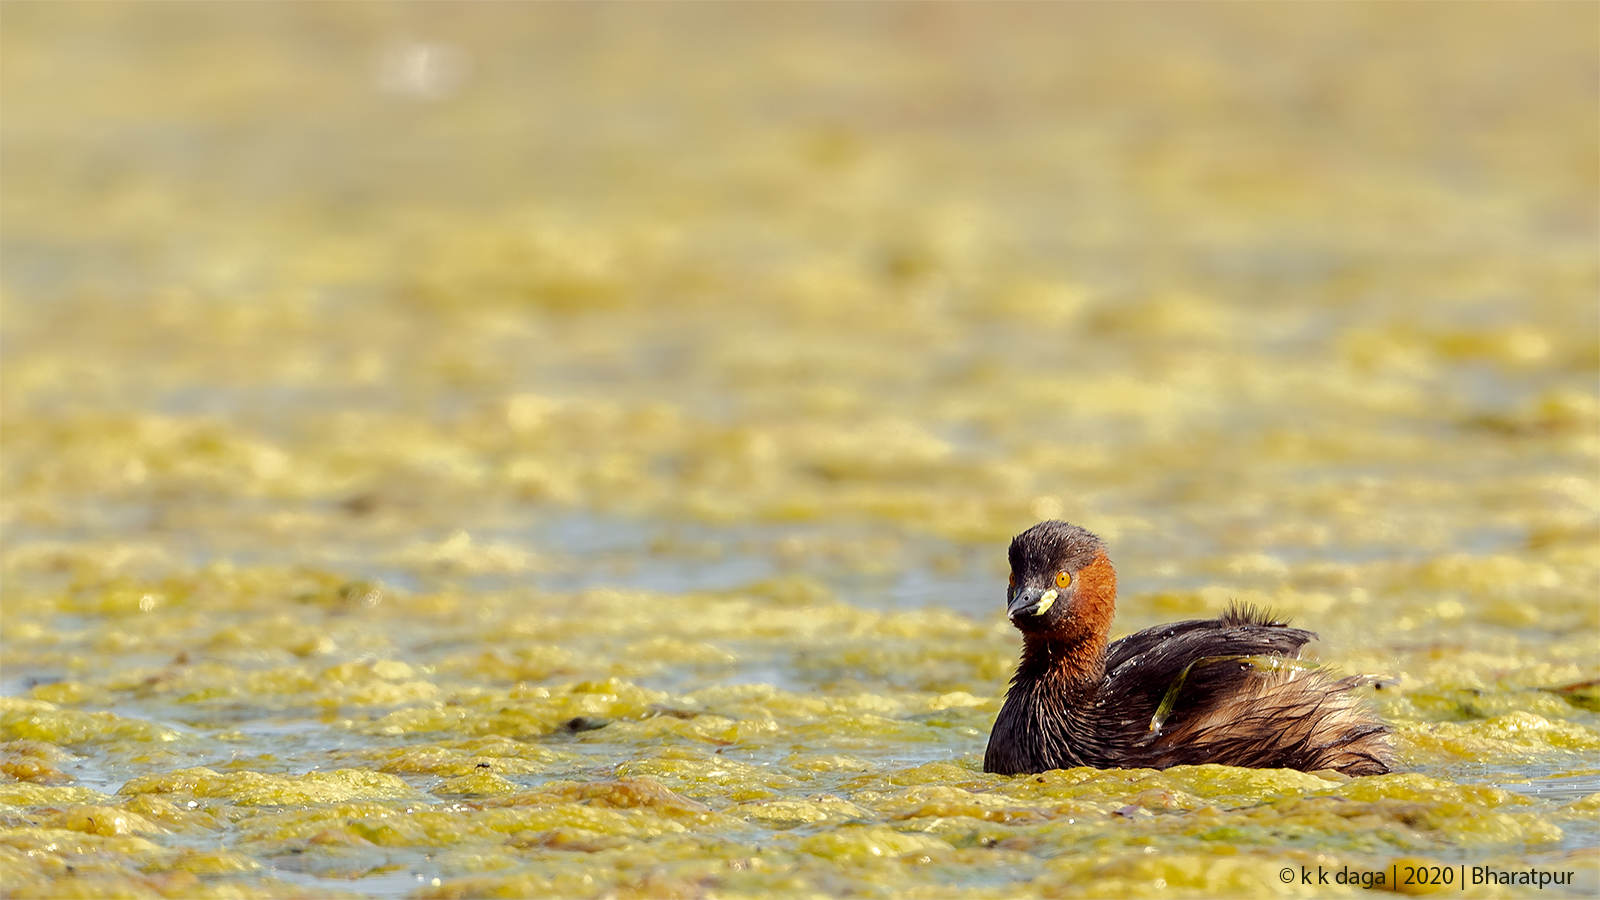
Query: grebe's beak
pixel 1030 602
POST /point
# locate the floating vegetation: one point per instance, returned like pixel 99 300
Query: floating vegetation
pixel 569 450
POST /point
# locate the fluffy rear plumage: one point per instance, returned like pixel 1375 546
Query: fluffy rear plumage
pixel 1251 711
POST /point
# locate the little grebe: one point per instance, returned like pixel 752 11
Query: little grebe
pixel 1229 690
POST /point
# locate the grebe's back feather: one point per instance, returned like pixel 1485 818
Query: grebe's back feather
pixel 1231 699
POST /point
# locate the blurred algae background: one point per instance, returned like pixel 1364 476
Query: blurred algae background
pixel 569 449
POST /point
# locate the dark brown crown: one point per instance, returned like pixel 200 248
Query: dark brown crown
pixel 1052 546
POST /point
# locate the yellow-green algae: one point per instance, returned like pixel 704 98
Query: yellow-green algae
pixel 568 450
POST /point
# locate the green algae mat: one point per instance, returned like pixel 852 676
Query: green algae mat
pixel 569 450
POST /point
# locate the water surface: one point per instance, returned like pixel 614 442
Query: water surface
pixel 570 450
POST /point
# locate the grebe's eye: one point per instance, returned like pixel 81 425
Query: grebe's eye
pixel 1012 581
pixel 1063 579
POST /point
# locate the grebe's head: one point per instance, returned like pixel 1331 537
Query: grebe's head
pixel 1059 576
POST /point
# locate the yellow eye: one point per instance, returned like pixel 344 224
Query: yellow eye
pixel 1063 580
